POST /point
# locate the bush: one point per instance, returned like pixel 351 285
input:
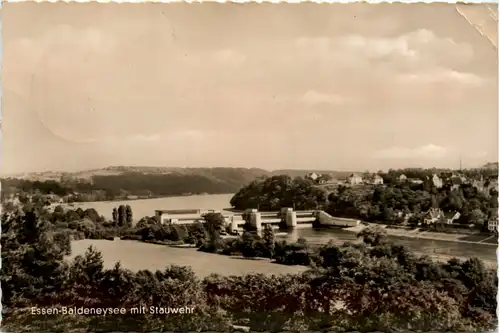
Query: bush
pixel 292 254
pixel 62 225
pixel 131 237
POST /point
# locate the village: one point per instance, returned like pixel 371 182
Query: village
pixel 434 216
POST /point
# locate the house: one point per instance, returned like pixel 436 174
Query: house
pixel 479 184
pixel 402 178
pixel 436 215
pixel 438 182
pixel 355 179
pixel 433 215
pixel 492 184
pixel 415 181
pixel 378 180
pixel 493 224
pixel 463 178
pixel 312 176
pixel 374 180
pixel 451 217
pixel 321 180
pixel 455 182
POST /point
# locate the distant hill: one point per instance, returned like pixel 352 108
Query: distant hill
pixel 156 181
pixel 301 173
pixel 231 175
pixel 491 165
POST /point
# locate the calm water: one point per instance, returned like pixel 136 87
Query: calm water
pixel 147 207
pixel 424 246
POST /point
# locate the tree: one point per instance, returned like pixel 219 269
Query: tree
pixel 33 266
pixel 214 223
pixel 477 217
pixel 87 227
pixel 92 215
pixel 248 244
pixel 128 212
pixel 115 216
pixel 269 239
pixel 373 235
pixel 122 216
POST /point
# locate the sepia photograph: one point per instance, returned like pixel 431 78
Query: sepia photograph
pixel 223 167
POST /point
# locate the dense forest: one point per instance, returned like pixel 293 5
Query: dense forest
pixel 392 202
pixel 372 286
pixel 120 186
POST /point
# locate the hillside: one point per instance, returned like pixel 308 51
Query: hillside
pixel 122 181
pixel 491 165
pixel 301 173
pixel 231 175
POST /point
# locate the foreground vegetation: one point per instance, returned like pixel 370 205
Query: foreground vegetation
pixel 374 286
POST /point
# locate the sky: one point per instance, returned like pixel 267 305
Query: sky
pixel 295 86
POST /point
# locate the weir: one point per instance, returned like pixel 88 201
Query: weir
pixel 258 219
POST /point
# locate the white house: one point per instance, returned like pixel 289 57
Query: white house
pixel 438 182
pixel 402 178
pixel 436 215
pixel 433 215
pixel 493 224
pixel 378 180
pixel 312 176
pixel 355 179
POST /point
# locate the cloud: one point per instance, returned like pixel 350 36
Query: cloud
pixel 380 47
pixel 229 57
pixel 418 48
pixel 429 151
pixel 65 41
pixel 442 75
pixel 146 138
pixel 313 97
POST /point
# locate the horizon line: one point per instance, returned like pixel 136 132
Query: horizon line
pixel 236 167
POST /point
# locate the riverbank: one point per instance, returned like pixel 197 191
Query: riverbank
pixel 445 258
pixel 430 235
pixel 136 198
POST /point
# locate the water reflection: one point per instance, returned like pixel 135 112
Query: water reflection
pixel 427 246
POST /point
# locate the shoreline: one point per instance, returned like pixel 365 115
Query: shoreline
pixel 418 234
pixel 75 203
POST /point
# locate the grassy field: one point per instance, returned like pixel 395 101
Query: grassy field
pixel 137 256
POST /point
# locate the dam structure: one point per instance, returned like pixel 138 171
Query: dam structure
pixel 258 219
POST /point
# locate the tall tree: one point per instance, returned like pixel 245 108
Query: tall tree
pixel 122 215
pixel 128 212
pixel 115 216
pixel 269 239
pixel 214 222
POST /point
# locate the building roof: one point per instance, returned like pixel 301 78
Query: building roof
pixel 434 213
pixel 183 211
pixel 450 215
pixel 456 180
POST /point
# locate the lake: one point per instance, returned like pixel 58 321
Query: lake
pixel 424 246
pixel 146 207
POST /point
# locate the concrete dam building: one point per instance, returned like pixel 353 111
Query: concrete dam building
pixel 257 219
